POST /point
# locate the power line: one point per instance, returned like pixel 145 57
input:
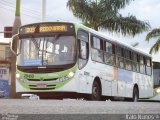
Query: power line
pixel 25 9
pixel 12 10
pixel 12 6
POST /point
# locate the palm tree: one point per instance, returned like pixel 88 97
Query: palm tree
pixel 16 25
pixel 104 14
pixel 155 33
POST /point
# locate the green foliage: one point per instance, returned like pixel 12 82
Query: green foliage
pixel 105 14
pixel 155 33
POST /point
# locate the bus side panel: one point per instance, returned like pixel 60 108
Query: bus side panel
pixel 145 85
pixel 84 81
pixel 104 73
pixel 125 83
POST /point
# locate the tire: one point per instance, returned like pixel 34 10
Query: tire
pixel 135 95
pixel 96 92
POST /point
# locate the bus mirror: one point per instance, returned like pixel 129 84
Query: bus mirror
pixel 14 44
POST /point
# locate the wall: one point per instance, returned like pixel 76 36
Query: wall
pixel 4 68
pixel 4 80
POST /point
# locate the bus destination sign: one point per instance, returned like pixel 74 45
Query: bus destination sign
pixel 46 28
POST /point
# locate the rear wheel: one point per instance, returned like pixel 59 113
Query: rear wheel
pixel 96 91
pixel 135 95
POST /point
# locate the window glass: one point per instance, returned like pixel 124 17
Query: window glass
pixel 128 54
pixel 83 50
pixel 141 60
pixel 120 51
pixel 44 51
pixel 120 62
pixel 97 55
pixel 135 57
pixel 128 65
pixel 108 47
pixel 134 66
pixel 109 58
pixel 83 36
pixel 97 43
pixel 148 62
pixel 138 67
pixel 142 68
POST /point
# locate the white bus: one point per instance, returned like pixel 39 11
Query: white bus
pixel 62 57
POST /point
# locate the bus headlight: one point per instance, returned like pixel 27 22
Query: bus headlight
pixel 71 74
pixel 158 90
pixel 17 75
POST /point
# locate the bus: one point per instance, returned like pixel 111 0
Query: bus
pixel 63 57
pixel 156 73
pixel 156 76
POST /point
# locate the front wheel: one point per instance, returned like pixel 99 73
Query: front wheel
pixel 96 91
pixel 135 95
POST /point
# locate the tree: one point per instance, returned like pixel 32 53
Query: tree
pixel 104 14
pixel 155 33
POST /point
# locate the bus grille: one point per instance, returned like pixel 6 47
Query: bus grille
pixel 48 87
pixel 42 88
pixel 42 80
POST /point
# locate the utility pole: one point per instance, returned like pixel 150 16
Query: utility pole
pixel 16 25
pixel 43 10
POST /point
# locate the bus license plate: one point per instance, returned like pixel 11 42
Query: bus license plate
pixel 41 85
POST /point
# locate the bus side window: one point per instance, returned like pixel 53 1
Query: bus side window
pixel 128 61
pixel 142 66
pixel 120 57
pixel 109 49
pixel 97 49
pixel 83 47
pixel 135 64
pixel 148 66
pixel 83 50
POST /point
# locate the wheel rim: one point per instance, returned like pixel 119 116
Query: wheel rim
pixel 95 92
pixel 135 96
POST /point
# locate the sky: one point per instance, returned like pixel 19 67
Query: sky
pixel 145 10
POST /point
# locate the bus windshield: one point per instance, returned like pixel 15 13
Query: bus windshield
pixel 45 51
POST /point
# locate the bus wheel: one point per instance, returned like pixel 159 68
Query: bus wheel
pixel 96 91
pixel 135 95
